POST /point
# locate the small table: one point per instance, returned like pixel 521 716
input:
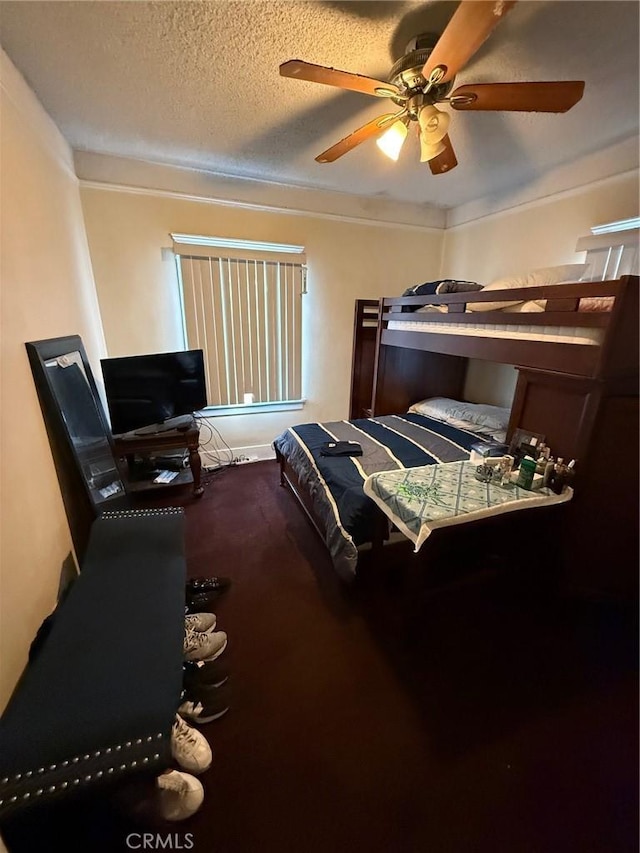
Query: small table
pixel 127 444
pixel 419 500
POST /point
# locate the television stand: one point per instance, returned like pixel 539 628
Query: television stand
pixel 182 422
pixel 185 437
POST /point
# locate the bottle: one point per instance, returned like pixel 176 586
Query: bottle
pixel 569 473
pixel 527 470
pixel 496 474
pixel 548 471
pixel 558 476
pixel 541 462
pixel 507 468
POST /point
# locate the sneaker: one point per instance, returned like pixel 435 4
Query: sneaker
pixel 180 795
pixel 204 674
pixel 199 646
pixel 206 707
pixel 201 602
pixel 196 585
pixel 189 747
pixel 208 694
pixel 200 622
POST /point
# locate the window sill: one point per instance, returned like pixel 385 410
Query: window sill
pixel 250 409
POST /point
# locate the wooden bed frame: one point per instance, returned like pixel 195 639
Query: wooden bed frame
pixel 562 301
pixel 583 398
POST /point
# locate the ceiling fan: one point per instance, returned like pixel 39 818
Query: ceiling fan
pixel 424 77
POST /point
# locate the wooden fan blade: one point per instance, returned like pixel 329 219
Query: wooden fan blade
pixel 446 161
pixel 368 131
pixel 331 77
pixel 527 97
pixel 472 23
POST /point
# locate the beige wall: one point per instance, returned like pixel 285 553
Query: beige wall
pixel 137 286
pixel 47 291
pixel 539 234
pixel 137 289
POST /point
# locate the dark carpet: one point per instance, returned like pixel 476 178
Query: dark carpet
pixel 409 712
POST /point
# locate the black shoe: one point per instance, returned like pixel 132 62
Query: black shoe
pixel 205 674
pixel 208 706
pixel 202 602
pixel 208 694
pixel 199 585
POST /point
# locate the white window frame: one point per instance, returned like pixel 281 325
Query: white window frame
pixel 611 249
pixel 201 247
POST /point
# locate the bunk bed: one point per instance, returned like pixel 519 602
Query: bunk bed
pixel 575 350
pixel 561 327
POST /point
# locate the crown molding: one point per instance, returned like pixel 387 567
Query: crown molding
pixel 140 177
pixel 618 162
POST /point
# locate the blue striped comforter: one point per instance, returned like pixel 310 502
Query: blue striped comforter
pixel 335 484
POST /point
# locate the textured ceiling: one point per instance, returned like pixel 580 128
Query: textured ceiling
pixel 197 84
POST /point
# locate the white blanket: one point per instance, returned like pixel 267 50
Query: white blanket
pixel 419 500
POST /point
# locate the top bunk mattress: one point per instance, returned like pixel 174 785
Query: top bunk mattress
pixel 583 336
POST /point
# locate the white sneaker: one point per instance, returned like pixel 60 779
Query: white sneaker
pixel 204 646
pixel 180 795
pixel 200 622
pixel 189 747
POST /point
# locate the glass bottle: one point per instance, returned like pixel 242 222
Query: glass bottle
pixel 548 472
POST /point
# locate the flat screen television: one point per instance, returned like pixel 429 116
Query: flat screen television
pixel 151 392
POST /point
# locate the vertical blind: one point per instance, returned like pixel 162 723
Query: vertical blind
pixel 245 313
pixel 610 255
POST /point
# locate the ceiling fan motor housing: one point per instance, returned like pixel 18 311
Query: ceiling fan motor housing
pixel 406 73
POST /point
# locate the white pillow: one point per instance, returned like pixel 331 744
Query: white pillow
pixel 535 278
pixel 430 309
pixel 474 417
pixel 531 306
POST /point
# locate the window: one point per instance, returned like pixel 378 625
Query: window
pixel 242 306
pixel 611 250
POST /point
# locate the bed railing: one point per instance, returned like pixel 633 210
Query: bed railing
pixel 614 351
pixel 561 298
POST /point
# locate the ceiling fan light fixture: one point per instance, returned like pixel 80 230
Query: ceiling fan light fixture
pixel 393 139
pixel 428 150
pixel 425 76
pixel 434 124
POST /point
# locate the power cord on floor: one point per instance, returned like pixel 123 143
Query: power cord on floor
pixel 227 459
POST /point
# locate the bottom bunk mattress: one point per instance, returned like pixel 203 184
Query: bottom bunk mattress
pixel 334 484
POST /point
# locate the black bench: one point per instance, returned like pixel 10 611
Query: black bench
pixel 97 702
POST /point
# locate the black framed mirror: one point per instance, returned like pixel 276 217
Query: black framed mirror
pixel 78 431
